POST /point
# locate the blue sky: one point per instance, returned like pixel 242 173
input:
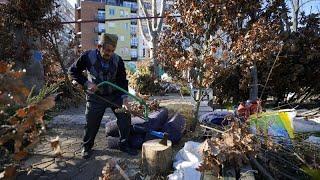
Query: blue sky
pixel 72 2
pixel 313 5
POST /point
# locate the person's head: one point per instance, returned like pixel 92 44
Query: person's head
pixel 107 45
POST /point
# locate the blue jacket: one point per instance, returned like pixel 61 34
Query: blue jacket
pixel 98 71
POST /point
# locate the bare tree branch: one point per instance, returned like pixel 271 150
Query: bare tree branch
pixel 144 34
pixel 160 22
pixel 154 13
pixel 145 13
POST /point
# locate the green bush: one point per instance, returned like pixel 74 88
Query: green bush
pixel 143 80
pixel 145 84
pixel 185 91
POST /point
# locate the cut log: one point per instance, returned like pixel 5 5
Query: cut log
pixel 156 158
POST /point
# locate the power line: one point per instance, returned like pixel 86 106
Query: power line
pixel 116 19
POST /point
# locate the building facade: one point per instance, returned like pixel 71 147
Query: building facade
pixel 66 13
pixel 126 30
pixel 88 32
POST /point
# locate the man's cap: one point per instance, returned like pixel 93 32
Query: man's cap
pixel 107 38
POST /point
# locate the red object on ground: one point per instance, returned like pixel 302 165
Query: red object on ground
pixel 245 110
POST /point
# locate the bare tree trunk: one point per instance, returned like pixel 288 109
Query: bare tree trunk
pixel 154 27
pixel 295 14
pixel 196 114
pixel 254 84
pixel 154 56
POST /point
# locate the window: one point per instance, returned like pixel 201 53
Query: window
pixel 101 27
pixel 133 29
pixel 134 53
pixel 101 13
pixel 126 26
pixel 111 12
pixel 121 38
pixel 121 13
pixel 96 41
pixel 147 5
pixel 134 42
pixel 132 5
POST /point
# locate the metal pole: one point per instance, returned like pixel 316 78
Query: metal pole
pixel 115 19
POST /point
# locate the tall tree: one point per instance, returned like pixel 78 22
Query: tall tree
pixel 295 13
pixel 24 23
pixel 153 26
pixel 212 38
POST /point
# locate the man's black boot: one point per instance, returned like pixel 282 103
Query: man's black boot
pixel 124 147
pixel 85 153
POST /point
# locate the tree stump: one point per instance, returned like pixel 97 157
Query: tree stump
pixel 156 158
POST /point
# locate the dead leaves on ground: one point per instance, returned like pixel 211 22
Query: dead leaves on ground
pixel 9 173
pixel 232 147
pixel 55 144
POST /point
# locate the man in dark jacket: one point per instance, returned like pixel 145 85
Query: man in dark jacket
pixel 102 64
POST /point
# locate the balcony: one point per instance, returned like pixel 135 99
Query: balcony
pixel 134 9
pixel 134 45
pixel 134 21
pixel 97 30
pixel 133 33
pixel 100 18
pixel 134 58
pixel 96 41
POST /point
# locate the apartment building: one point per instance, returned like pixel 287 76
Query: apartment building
pixel 66 13
pixel 100 10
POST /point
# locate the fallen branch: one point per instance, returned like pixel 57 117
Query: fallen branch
pixel 261 169
pixel 211 128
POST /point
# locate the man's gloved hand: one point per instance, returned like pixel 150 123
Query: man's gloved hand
pixel 91 87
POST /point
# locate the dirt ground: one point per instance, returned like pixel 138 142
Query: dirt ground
pixel 69 126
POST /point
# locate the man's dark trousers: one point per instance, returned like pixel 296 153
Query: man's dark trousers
pixel 95 108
